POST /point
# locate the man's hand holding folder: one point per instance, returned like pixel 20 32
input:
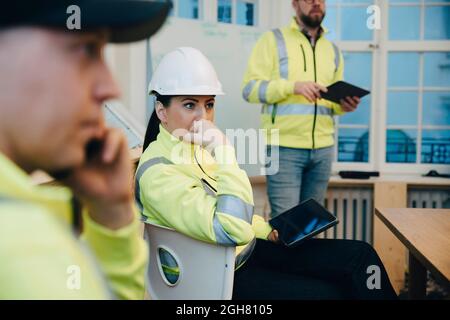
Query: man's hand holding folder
pixel 346 94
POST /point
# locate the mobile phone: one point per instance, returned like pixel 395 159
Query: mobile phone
pixel 93 149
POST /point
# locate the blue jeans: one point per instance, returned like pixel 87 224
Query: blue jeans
pixel 302 174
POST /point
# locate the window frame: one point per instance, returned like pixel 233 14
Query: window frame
pixel 381 47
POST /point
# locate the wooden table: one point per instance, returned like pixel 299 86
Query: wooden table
pixel 426 234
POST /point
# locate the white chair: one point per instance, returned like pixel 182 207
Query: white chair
pixel 206 271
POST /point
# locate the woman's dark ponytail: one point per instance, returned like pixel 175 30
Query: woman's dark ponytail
pixel 153 124
pixel 152 130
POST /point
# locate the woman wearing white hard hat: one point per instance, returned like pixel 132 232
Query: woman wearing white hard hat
pixel 188 179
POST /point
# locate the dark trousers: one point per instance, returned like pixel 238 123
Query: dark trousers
pixel 316 269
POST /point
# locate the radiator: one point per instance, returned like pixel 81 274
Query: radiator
pixel 428 198
pixel 354 209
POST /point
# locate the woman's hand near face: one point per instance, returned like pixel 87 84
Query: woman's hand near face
pixel 206 134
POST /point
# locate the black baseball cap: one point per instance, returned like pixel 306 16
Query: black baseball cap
pixel 127 20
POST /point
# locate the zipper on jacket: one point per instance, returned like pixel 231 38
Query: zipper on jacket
pixel 315 103
pixel 201 168
pixel 209 185
pixel 274 112
pixel 304 58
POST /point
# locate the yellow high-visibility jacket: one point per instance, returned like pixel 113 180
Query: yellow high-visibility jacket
pixel 279 59
pixel 181 186
pixel 40 257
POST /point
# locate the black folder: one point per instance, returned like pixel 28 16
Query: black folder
pixel 341 89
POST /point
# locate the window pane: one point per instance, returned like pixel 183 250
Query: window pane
pixel 403 1
pixel 224 11
pixel 403 69
pixel 402 108
pixel 436 108
pixel 437 69
pixel 437 26
pixel 188 9
pixel 354 24
pixel 330 22
pixel 245 13
pixel 401 146
pixel 353 145
pixel 358 68
pixel 436 146
pixel 404 23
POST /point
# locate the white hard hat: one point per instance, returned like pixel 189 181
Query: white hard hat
pixel 185 71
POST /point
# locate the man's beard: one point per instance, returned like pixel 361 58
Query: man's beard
pixel 312 22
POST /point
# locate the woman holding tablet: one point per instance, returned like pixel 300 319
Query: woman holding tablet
pixel 189 180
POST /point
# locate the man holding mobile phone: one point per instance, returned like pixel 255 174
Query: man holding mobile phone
pixel 53 84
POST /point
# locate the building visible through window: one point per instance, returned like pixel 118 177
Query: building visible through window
pixel 188 9
pixel 224 11
pixel 245 13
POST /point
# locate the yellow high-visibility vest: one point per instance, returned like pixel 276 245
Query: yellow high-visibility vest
pixel 181 186
pixel 42 259
pixel 279 59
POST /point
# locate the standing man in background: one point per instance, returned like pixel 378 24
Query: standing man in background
pixel 287 71
pixel 53 85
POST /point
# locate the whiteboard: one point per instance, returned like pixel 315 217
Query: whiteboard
pixel 228 47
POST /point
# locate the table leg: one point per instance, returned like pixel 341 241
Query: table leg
pixel 417 279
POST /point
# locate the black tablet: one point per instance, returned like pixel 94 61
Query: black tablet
pixel 341 89
pixel 302 222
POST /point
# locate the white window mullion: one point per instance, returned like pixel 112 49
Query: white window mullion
pixel 422 21
pixel 210 8
pixel 420 111
pixel 336 138
pixel 380 111
pixel 430 45
pixel 234 11
pixel 402 127
pixel 428 127
pixel 354 126
pixel 375 97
